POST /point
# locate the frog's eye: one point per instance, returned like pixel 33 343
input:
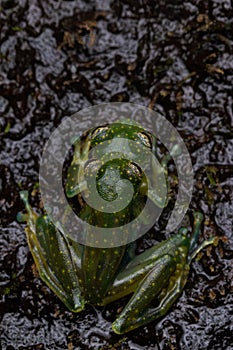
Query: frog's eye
pixel 100 133
pixel 134 170
pixel 145 139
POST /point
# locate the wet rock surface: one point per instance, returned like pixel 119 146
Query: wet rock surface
pixel 58 57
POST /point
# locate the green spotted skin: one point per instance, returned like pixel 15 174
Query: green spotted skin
pixel 55 260
pixel 163 282
pixel 106 138
pixel 80 274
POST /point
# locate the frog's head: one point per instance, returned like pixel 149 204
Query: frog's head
pixel 110 153
pixel 107 167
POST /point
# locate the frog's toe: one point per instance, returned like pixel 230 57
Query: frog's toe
pixel 119 327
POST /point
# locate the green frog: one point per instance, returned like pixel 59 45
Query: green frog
pixel 79 273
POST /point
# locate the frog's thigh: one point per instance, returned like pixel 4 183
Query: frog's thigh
pixel 131 276
pixel 138 311
pixel 51 253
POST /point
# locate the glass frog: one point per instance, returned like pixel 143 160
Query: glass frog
pixel 80 274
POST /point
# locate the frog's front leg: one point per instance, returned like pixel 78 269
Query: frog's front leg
pixel 56 260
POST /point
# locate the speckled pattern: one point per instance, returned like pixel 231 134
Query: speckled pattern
pixel 58 57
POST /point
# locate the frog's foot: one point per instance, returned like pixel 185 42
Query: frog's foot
pixel 195 248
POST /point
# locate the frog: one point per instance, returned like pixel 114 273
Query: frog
pixel 82 274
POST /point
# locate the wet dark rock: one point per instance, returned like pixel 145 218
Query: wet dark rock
pixel 58 57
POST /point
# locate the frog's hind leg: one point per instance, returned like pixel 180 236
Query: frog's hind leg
pixel 140 265
pixel 167 267
pixel 52 255
pixel 139 310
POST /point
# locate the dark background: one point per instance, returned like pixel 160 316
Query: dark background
pixel 61 56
